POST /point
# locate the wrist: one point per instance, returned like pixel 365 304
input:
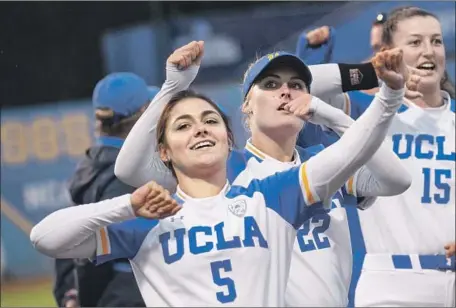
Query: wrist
pixel 358 76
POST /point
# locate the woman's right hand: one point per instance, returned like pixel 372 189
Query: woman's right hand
pixel 153 201
pixel 187 55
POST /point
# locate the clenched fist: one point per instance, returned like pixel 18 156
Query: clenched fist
pixel 153 201
pixel 318 36
pixel 187 55
pixel 301 107
pixel 390 67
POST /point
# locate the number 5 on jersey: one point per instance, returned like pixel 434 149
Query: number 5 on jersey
pixel 217 269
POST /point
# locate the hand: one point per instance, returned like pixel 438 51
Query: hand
pixel 390 67
pixel 450 249
pixel 187 55
pixel 71 303
pixel 413 80
pixel 318 36
pixel 300 107
pixel 153 201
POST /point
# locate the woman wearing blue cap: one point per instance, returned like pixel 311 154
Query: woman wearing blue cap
pixel 227 244
pixel 274 87
pixel 119 99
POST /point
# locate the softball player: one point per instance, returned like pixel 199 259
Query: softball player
pixel 203 254
pixel 409 238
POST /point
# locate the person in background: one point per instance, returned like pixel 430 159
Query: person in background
pixel 119 99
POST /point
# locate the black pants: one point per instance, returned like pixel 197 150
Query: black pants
pixel 122 291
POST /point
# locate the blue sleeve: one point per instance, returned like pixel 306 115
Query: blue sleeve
pixel 317 55
pixel 235 165
pixel 452 105
pixel 312 135
pixel 288 193
pixel 358 102
pixel 122 240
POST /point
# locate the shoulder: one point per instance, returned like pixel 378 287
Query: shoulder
pixel 306 153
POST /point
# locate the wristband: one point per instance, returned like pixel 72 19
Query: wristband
pixel 358 76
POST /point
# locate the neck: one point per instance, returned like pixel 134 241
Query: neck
pixel 203 185
pixel 278 147
pixel 430 100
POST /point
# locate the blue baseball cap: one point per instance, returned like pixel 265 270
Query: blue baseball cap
pixel 124 93
pixel 276 58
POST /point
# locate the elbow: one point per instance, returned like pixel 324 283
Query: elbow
pixel 399 184
pixel 39 242
pixel 124 174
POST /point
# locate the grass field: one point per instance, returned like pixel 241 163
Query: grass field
pixel 29 294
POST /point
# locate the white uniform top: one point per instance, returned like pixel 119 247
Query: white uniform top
pixel 322 259
pixel 422 219
pixel 237 245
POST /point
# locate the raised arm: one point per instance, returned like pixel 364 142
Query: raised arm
pixel 138 161
pixel 331 168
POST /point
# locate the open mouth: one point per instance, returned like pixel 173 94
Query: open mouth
pixel 427 66
pixel 203 144
pixel 282 107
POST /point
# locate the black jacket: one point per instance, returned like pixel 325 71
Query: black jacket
pixel 93 181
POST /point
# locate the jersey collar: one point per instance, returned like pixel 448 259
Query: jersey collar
pixel 258 154
pixel 181 197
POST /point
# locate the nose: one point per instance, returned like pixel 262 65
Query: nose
pixel 428 49
pixel 201 130
pixel 285 91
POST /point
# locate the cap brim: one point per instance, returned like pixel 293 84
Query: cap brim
pixel 292 62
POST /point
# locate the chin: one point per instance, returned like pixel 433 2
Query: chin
pixel 429 83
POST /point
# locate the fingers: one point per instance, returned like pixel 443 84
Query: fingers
pixel 187 55
pixel 417 72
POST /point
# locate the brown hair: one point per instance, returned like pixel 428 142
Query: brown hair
pixel 109 124
pixel 164 117
pixel 397 15
pixel 390 26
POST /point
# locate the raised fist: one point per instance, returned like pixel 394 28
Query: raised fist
pixel 153 201
pixel 318 36
pixel 187 55
pixel 300 107
pixel 390 67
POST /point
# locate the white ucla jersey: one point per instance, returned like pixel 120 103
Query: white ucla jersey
pixel 233 249
pixel 321 265
pixel 422 219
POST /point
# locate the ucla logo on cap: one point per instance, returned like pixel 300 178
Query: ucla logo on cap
pixel 272 55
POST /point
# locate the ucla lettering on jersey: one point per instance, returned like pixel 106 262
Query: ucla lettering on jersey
pixel 232 248
pixel 251 231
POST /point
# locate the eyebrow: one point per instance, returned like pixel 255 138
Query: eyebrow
pixel 419 35
pixel 205 113
pixel 278 77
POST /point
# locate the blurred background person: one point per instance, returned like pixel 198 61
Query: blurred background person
pixel 119 99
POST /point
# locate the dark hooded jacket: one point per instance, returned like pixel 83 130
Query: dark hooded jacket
pixel 93 181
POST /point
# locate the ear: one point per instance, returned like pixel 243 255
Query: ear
pixel 246 108
pixel 164 156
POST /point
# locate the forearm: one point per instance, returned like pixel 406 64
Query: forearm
pixel 332 79
pixel 329 170
pixel 138 161
pixel 384 174
pixel 71 232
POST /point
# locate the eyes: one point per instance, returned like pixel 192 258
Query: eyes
pixel 418 42
pixel 272 84
pixel 187 125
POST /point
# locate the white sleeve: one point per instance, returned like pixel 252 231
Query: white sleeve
pixel 327 85
pixel 71 232
pixel 330 169
pixel 384 174
pixel 138 161
pixel 326 80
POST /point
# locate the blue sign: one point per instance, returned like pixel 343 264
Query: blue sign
pixel 40 149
